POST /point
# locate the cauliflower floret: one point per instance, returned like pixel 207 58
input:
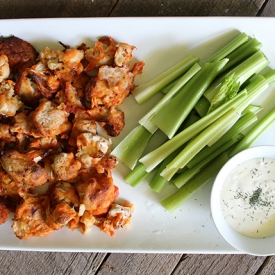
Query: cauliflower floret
pixel 22 169
pixel 48 120
pixel 91 148
pixel 118 216
pixel 97 192
pixel 62 207
pixel 4 67
pixel 111 86
pixel 9 102
pixel 123 54
pixel 65 166
pixel 29 218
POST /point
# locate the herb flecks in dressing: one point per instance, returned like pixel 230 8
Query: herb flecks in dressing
pixel 248 198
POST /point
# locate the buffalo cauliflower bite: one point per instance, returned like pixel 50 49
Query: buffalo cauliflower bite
pixel 48 119
pixel 101 54
pixel 4 210
pixel 47 82
pixel 22 169
pixel 62 208
pixel 4 67
pixel 30 217
pixel 91 148
pixel 97 193
pixel 123 54
pixel 65 166
pixel 110 119
pixel 9 102
pixel 118 216
pixel 27 90
pixel 82 123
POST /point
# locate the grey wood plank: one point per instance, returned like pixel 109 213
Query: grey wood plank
pixel 268 267
pixel 145 264
pixel 219 265
pixel 268 8
pixel 49 263
pixel 52 8
pixel 187 8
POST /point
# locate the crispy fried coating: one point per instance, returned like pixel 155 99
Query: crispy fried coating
pixel 29 217
pixel 21 54
pixel 97 193
pixel 48 120
pixel 22 169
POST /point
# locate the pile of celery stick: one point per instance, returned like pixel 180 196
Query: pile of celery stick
pixel 205 109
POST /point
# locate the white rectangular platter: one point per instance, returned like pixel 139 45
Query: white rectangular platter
pixel 160 43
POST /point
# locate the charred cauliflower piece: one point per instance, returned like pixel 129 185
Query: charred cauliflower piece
pixel 4 67
pixel 9 102
pixel 22 169
pixel 29 218
pixel 48 120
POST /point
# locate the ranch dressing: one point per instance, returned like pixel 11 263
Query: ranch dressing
pixel 248 198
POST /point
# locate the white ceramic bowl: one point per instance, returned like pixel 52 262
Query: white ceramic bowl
pixel 253 246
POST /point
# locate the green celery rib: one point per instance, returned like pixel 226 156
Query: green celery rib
pixel 152 159
pixel 202 106
pixel 143 92
pixel 186 175
pixel 137 175
pixel 243 123
pixel 252 109
pixel 145 120
pixel 168 87
pixel 241 53
pixel 158 182
pixel 197 144
pixel 243 71
pixel 130 149
pixel 171 115
pixel 172 202
pixel 228 48
pixel 254 133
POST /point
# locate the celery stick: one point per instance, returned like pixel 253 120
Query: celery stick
pixel 186 175
pixel 145 120
pixel 136 175
pixel 130 149
pixel 228 48
pixel 202 106
pixel 196 145
pixel 158 182
pixel 243 71
pixel 241 53
pixel 168 87
pixel 254 133
pixel 170 116
pixel 252 109
pixel 243 123
pixel 175 200
pixel 152 159
pixel 143 92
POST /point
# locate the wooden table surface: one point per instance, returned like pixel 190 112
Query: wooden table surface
pixel 20 262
